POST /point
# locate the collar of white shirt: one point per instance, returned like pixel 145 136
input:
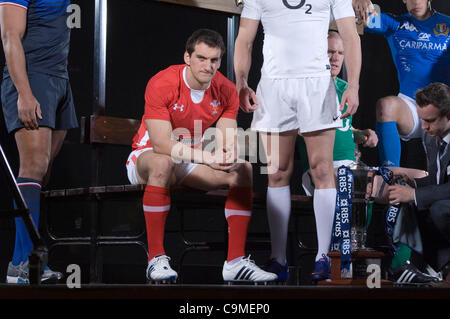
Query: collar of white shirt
pixel 446 138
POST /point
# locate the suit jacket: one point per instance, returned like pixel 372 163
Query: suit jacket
pixel 428 191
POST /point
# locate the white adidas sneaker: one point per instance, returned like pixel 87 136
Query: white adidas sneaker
pixel 159 270
pixel 246 271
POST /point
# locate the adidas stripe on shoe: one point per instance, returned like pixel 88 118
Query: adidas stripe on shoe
pixel 246 271
pixel 408 274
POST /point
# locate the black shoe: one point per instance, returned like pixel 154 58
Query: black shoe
pixel 408 274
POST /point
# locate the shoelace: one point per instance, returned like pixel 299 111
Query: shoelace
pixel 23 269
pixel 250 263
pixel 324 258
pixel 162 261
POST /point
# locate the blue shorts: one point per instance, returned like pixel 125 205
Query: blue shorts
pixel 54 96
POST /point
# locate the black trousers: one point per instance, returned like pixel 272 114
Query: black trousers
pixel 434 225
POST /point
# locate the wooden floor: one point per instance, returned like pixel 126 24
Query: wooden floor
pixel 222 301
pixel 218 292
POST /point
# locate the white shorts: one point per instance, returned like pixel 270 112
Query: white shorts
pixel 416 132
pixel 307 104
pixel 181 170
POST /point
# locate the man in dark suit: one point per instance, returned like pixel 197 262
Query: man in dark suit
pixel 431 194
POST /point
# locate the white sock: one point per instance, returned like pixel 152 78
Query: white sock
pixel 324 202
pixel 278 212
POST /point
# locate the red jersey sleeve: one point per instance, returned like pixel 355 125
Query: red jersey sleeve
pixel 157 100
pixel 231 108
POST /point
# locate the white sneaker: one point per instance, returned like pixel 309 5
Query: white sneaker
pixel 19 274
pixel 16 274
pixel 159 270
pixel 246 271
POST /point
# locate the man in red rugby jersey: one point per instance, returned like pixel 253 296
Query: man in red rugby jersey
pixel 181 103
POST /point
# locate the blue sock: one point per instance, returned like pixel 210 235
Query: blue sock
pixel 31 193
pixel 17 254
pixel 389 146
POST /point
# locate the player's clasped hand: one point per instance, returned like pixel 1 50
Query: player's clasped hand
pixel 224 160
pixel 370 138
pixel 28 108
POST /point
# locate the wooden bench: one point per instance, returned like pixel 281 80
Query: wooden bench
pixel 99 130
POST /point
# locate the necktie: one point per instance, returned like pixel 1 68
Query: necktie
pixel 441 150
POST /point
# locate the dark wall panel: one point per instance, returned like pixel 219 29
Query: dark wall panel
pixel 145 37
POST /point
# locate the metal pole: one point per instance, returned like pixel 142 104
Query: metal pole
pixel 99 105
pixel 232 31
pixel 100 33
pixel 12 182
pixel 22 208
pixel 38 255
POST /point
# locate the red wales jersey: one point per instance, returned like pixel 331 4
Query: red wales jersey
pixel 168 97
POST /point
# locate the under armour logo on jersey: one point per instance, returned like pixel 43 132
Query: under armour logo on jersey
pixel 409 27
pixel 178 107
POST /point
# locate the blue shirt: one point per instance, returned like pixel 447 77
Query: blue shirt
pixel 47 37
pixel 419 48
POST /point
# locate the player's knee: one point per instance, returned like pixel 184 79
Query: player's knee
pixel 282 175
pixel 386 110
pixel 245 168
pixel 161 167
pixel 242 174
pixel 35 165
pixel 322 172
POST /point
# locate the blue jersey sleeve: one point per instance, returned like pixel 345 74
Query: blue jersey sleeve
pixel 20 3
pixel 383 23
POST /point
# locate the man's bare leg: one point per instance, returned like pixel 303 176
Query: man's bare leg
pixel 34 154
pixel 58 137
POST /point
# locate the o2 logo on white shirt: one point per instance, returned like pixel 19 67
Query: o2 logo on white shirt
pixel 298 6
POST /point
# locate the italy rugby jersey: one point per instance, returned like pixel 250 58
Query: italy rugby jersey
pixel 419 48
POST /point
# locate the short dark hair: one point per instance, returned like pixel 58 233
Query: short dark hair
pixel 211 38
pixel 437 94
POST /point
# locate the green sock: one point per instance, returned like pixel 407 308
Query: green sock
pixel 402 255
